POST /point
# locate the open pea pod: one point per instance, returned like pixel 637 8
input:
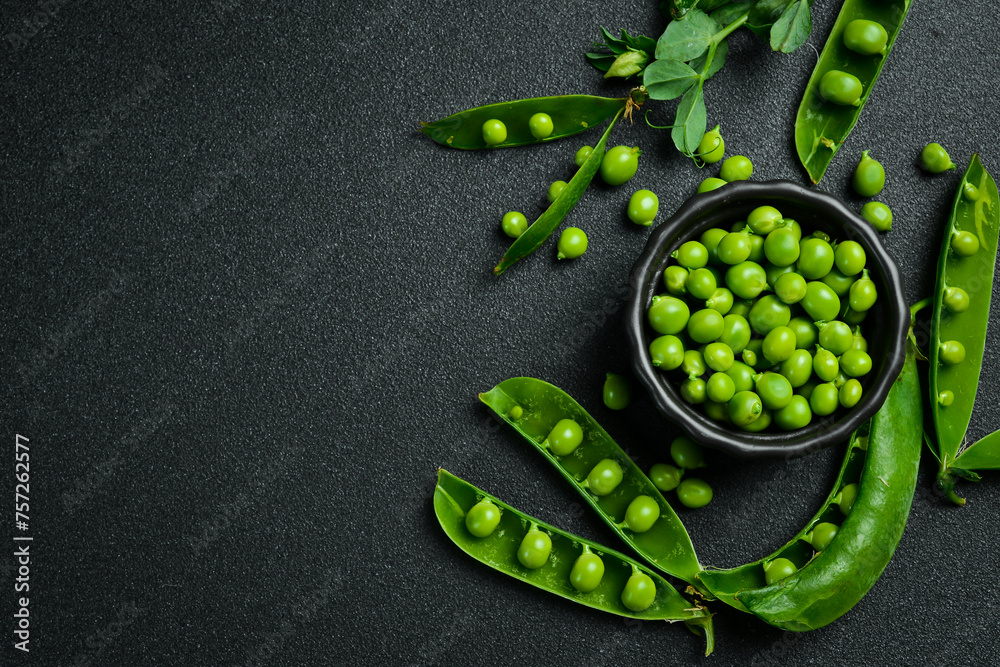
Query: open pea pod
pixel 821 127
pixel 533 408
pixel 833 580
pixel 454 498
pixel 571 114
pixel 961 315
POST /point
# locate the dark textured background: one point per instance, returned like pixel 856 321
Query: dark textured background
pixel 247 310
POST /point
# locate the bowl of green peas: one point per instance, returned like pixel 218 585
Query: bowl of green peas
pixel 766 319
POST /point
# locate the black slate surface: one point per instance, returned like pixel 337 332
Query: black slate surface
pixel 247 309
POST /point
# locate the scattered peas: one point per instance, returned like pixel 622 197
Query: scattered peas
pixel 617 391
pixel 935 159
pixel 869 176
pixel 494 132
pixel 642 207
pixel 665 476
pixel 878 214
pixel 694 493
pixel 736 168
pixel 582 154
pixel 540 125
pixel 712 147
pixel 686 454
pixel 620 164
pixel 514 224
pixel 555 190
pixel 572 243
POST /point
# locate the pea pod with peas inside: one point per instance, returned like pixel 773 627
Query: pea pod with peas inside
pixel 609 481
pixel 847 70
pixel 833 562
pixel 561 563
pixel 959 322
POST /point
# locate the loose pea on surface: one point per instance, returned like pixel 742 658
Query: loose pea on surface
pixel 712 147
pixel 605 477
pixel 617 391
pixel 841 88
pixel 778 569
pixel 878 214
pixel 665 477
pixel 514 224
pixel 642 207
pixel 639 592
pixel 572 243
pixel 620 164
pixel 865 37
pixel 736 168
pixel 582 154
pixel 934 159
pixel 555 190
pixel 666 352
pixel 587 572
pixel 535 549
pixel 494 132
pixel 540 125
pixel 694 493
pixel 686 453
pixel 564 437
pixel 641 514
pixel 869 176
pixel 483 518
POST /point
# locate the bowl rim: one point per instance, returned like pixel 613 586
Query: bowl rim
pixel 696 424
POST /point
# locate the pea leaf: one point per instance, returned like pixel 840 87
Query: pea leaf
pixel 731 12
pixel 640 42
pixel 600 60
pixel 615 44
pixel 690 121
pixel 766 13
pixel 668 79
pixel 717 61
pixel 687 38
pixel 792 29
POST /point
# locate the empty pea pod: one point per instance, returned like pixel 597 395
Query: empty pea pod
pixel 821 126
pixel 573 568
pixel 961 314
pixel 665 544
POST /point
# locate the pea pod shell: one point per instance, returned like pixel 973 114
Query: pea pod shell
pixel 454 497
pixel 571 114
pixel 821 127
pixel 975 275
pixel 542 228
pixel 840 575
pixel 667 544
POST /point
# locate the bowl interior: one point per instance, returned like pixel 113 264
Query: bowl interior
pixel 885 326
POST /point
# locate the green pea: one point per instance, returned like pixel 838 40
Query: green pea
pixel 863 293
pixel 778 569
pixel 878 214
pixel 494 132
pixel 946 397
pixel 822 535
pixel 710 238
pixel 668 314
pixel 694 391
pixel 712 147
pixel 764 219
pixel 639 592
pixel 756 248
pixel 806 390
pixel 745 408
pixel 794 226
pixel 701 283
pixel 691 255
pixel 564 437
pixel 965 244
pixel 665 476
pixel 675 279
pixel 781 247
pixel 620 164
pixel 719 357
pixel 694 493
pixel 710 184
pixel 775 390
pixel 694 364
pixel 849 257
pixel 761 424
pixel 515 413
pixel 825 364
pixel 768 314
pixel 572 243
pixel 666 352
pixel 514 224
pixel 970 191
pixel 617 391
pixel 850 393
pixel 852 316
pixel 734 248
pixel 820 301
pixel 641 514
pixel 774 272
pixel 720 301
pixel 956 299
pixel 716 411
pixel 869 176
pixel 841 88
pixel 935 159
pixel 797 414
pixel 604 477
pixel 705 326
pixel 483 518
pixel 836 337
pixel 736 333
pixel 840 380
pixel 642 207
pixel 816 258
pixel 779 344
pixel 686 453
pixel 742 376
pixel 587 572
pixel 741 307
pixel 797 368
pixel 865 37
pixel 720 388
pixel 805 332
pixel 746 279
pixel 736 168
pixel 540 125
pixel 535 549
pixel 825 399
pixel 856 363
pixel 790 287
pixel 845 498
pixel 952 352
pixel 838 282
pixel 859 342
pixel 582 154
pixel 754 354
pixel 555 190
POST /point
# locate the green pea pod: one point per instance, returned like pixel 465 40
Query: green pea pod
pixel 549 221
pixel 453 498
pixel 821 127
pixel 837 577
pixel 982 455
pixel 978 215
pixel 571 114
pixel 540 406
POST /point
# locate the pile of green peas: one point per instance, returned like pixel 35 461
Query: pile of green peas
pixel 758 321
pixel 691 492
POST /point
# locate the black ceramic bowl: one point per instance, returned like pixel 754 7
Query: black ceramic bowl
pixel 885 327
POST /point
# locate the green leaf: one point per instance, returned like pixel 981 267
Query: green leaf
pixel 615 44
pixel 643 43
pixel 792 29
pixel 690 121
pixel 983 455
pixel 668 79
pixel 687 38
pixel 764 14
pixel 731 12
pixel 601 61
pixel 717 61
